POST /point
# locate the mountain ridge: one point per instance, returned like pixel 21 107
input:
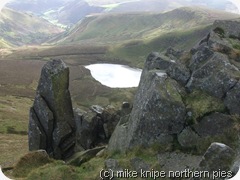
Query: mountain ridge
pixel 19 28
pixel 136 34
pixel 103 27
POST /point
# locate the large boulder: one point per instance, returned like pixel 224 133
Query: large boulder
pixel 217 160
pixel 187 100
pixel 212 73
pixel 95 126
pixel 158 109
pixel 51 123
pixel 214 124
pixel 89 126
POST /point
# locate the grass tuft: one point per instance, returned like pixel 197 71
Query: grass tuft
pixel 30 161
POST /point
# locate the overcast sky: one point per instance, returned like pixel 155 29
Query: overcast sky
pixel 3 2
pixel 237 3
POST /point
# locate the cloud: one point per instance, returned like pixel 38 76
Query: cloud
pixel 236 3
pixel 3 3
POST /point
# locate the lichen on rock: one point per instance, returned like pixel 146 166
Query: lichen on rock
pixel 52 115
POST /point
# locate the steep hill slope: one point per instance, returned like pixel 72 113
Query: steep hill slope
pixel 18 28
pixel 71 12
pixel 110 28
pixel 60 12
pixel 36 6
pixel 68 12
pixel 132 35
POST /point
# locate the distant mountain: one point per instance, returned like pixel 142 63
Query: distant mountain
pixel 121 27
pixel 18 28
pixel 69 12
pixel 163 5
pixel 65 12
pixel 132 35
pixel 35 6
pixel 72 12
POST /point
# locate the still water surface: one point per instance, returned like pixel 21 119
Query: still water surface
pixel 115 75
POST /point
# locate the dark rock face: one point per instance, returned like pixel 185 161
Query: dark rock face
pixel 88 128
pixel 188 138
pixel 232 100
pixel 158 109
pixel 51 124
pixel 110 117
pixel 228 28
pixel 192 102
pixel 215 75
pixel 96 126
pixel 213 124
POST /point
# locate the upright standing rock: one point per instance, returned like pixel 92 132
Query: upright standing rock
pixel 51 122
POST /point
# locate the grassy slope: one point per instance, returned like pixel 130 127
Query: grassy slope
pixel 18 82
pixel 115 28
pixel 20 28
pixel 132 36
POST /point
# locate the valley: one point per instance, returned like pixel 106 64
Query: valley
pixel 105 33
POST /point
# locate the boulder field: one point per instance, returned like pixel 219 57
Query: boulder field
pixel 187 102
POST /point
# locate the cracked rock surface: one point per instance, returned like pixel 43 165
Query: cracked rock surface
pixel 51 122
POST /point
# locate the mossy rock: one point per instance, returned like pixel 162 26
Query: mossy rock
pixel 219 31
pixel 201 103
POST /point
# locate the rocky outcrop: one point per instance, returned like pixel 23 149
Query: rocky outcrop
pixel 95 127
pixel 88 127
pixel 212 72
pixel 190 102
pixel 185 102
pixel 158 110
pixel 58 128
pixel 51 123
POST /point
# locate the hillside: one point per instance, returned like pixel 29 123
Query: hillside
pixel 59 12
pixel 104 29
pixel 18 28
pixel 129 40
pixel 184 117
pixel 166 5
pixel 136 34
pixel 71 12
pixel 66 13
pixel 36 6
